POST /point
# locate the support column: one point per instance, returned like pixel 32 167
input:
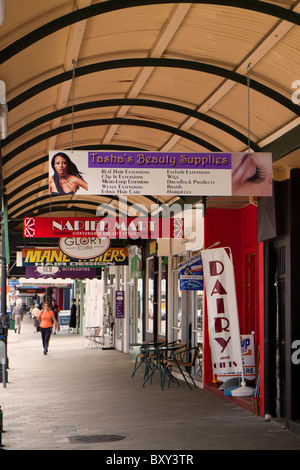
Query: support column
pixel 3 274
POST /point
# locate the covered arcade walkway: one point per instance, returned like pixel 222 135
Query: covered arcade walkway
pixel 79 399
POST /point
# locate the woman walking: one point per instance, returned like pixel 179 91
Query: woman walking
pixel 47 318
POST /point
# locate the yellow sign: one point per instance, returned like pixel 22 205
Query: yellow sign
pixel 55 257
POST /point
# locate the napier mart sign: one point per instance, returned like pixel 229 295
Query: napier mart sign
pixel 105 227
pixel 223 322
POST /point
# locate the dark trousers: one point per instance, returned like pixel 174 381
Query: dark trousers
pixel 46 333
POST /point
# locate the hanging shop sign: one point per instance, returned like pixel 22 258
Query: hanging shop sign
pixel 62 272
pixel 13 283
pixel 41 284
pixel 105 227
pixel 84 248
pixel 193 233
pixel 223 322
pixel 120 304
pixel 167 174
pixel 32 290
pixel 54 257
pixel 191 274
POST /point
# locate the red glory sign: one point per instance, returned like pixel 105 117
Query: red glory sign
pixel 101 227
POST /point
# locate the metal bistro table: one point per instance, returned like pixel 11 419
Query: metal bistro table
pixel 156 360
pixel 142 355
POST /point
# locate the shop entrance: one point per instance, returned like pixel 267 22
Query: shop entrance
pixel 197 332
pixel 187 321
pixel 156 297
pixel 279 286
pixel 135 314
pixel 177 309
pixel 275 330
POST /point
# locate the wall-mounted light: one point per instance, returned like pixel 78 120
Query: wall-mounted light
pixel 3 111
pixel 2 11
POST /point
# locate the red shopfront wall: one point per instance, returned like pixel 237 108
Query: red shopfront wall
pixel 237 229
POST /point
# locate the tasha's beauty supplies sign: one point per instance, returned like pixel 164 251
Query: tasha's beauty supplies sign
pixel 161 173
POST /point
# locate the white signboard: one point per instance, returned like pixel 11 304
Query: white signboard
pixel 223 322
pixel 248 355
pixel 160 173
pixel 84 248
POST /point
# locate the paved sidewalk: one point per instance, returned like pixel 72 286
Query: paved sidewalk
pixel 85 399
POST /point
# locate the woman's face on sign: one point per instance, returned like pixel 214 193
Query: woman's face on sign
pixel 60 165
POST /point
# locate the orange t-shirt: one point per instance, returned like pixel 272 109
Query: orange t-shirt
pixel 46 318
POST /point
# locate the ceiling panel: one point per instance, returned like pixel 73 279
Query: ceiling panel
pixel 178 75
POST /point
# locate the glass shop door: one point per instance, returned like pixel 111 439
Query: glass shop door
pixel 197 332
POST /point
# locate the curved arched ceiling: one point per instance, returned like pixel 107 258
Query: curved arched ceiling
pixel 152 75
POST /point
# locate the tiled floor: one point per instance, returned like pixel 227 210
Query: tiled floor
pixel 85 399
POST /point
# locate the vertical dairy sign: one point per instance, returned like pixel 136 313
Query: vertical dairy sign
pixel 224 331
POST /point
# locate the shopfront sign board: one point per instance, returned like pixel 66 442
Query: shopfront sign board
pixel 55 258
pixel 103 227
pixel 61 272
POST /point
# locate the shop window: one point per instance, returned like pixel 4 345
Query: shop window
pixel 163 270
pixel 177 308
pixel 150 266
pixel 135 293
pixel 198 331
pixel 139 310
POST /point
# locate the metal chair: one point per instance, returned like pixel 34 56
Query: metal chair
pixel 95 338
pixel 180 363
pixel 172 348
pixel 158 357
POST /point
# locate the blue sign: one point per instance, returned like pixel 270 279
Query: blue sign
pixel 191 274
